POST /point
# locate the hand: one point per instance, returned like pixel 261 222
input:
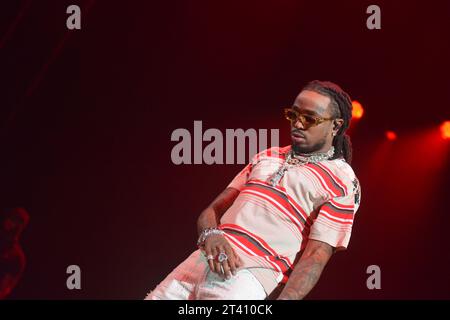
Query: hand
pixel 214 245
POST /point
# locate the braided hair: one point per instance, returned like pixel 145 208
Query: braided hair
pixel 341 105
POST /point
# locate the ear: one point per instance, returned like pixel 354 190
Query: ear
pixel 337 124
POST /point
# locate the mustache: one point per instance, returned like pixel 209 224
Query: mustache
pixel 298 132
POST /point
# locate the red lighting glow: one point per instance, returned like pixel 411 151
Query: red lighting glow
pixel 358 110
pixel 391 135
pixel 445 130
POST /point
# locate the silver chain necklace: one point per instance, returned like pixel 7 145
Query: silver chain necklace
pixel 293 159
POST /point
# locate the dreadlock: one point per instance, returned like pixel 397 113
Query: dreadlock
pixel 341 105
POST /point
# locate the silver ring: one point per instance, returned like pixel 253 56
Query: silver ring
pixel 222 257
pixel 210 257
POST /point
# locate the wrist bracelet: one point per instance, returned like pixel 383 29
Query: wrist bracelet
pixel 206 233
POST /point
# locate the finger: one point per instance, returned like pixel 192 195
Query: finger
pixel 220 265
pixel 239 262
pixel 226 269
pixel 218 268
pixel 231 260
pixel 213 261
pixel 237 259
pixel 226 263
pixel 208 252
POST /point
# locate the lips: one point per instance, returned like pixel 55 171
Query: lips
pixel 297 137
pixel 297 134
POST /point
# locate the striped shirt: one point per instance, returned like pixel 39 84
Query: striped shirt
pixel 269 227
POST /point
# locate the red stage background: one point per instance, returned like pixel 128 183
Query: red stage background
pixel 87 117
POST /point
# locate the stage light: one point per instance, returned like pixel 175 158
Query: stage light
pixel 391 135
pixel 445 130
pixel 358 110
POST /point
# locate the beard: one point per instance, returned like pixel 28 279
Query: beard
pixel 298 148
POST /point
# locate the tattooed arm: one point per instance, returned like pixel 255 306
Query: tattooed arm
pixel 307 271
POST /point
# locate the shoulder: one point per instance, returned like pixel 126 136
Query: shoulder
pixel 275 152
pixel 346 175
pixel 342 169
pixel 343 174
pixel 339 168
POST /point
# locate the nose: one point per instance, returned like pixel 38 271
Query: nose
pixel 298 124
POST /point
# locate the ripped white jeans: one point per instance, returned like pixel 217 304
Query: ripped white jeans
pixel 194 280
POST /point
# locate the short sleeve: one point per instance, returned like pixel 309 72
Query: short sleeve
pixel 334 221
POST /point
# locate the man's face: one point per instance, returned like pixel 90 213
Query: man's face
pixel 317 138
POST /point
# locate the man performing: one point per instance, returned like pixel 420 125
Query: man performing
pixel 271 232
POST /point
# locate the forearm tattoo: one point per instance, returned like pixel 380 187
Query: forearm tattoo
pixel 303 278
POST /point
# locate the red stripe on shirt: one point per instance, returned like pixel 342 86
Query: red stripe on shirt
pixel 282 190
pixel 329 185
pixel 253 250
pixel 329 209
pixel 335 220
pixel 335 178
pixel 278 203
pixel 257 239
pixel 342 206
